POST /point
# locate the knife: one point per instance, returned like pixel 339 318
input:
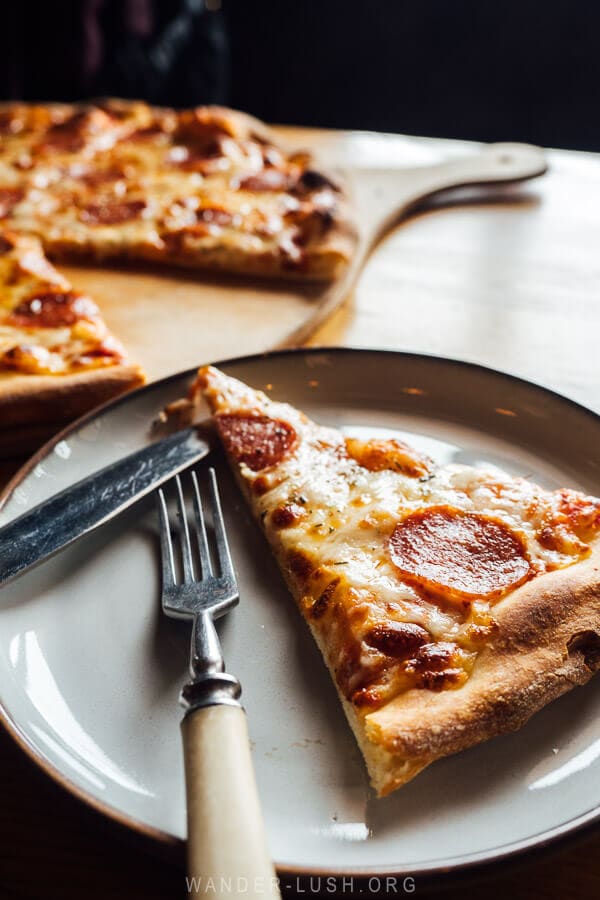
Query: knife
pixel 93 501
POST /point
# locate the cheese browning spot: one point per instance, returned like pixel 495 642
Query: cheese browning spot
pixel 257 441
pixel 433 667
pixel 377 455
pixel 582 513
pixel 319 607
pixel 397 639
pixel 287 516
pixel 30 359
pixel 300 565
pixel 261 485
pixel 464 556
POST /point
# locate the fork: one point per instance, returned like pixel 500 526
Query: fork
pixel 227 850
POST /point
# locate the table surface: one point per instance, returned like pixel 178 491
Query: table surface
pixel 508 278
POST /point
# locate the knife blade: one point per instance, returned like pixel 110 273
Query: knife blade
pixel 63 518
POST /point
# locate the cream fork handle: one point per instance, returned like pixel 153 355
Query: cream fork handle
pixel 226 835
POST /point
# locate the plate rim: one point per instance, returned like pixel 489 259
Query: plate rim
pixel 468 864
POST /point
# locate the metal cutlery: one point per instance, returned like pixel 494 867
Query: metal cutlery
pixel 48 527
pixel 227 848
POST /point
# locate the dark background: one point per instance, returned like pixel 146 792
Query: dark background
pixel 505 70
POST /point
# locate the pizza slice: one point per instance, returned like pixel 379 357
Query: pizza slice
pixel 450 603
pixel 204 188
pixel 57 357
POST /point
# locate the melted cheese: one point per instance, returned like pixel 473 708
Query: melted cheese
pixel 350 513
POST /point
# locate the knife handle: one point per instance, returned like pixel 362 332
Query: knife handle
pixel 226 836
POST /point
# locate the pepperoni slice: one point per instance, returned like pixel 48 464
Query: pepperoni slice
pixel 464 555
pixel 111 213
pixel 258 441
pixel 53 309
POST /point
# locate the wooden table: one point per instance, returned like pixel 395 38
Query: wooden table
pixel 510 280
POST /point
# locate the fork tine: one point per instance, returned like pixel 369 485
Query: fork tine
pixel 225 563
pixel 186 547
pixel 203 550
pixel 166 546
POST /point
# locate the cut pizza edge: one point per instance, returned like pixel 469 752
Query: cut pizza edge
pixel 56 399
pixel 546 642
pixel 38 305
pixel 324 263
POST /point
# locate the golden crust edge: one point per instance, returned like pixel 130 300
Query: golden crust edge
pixel 325 262
pixel 538 654
pixel 46 399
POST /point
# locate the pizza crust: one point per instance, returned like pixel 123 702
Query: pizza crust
pixel 547 643
pixel 324 262
pixel 57 399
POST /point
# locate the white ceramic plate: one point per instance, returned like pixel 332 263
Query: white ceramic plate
pixel 90 671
